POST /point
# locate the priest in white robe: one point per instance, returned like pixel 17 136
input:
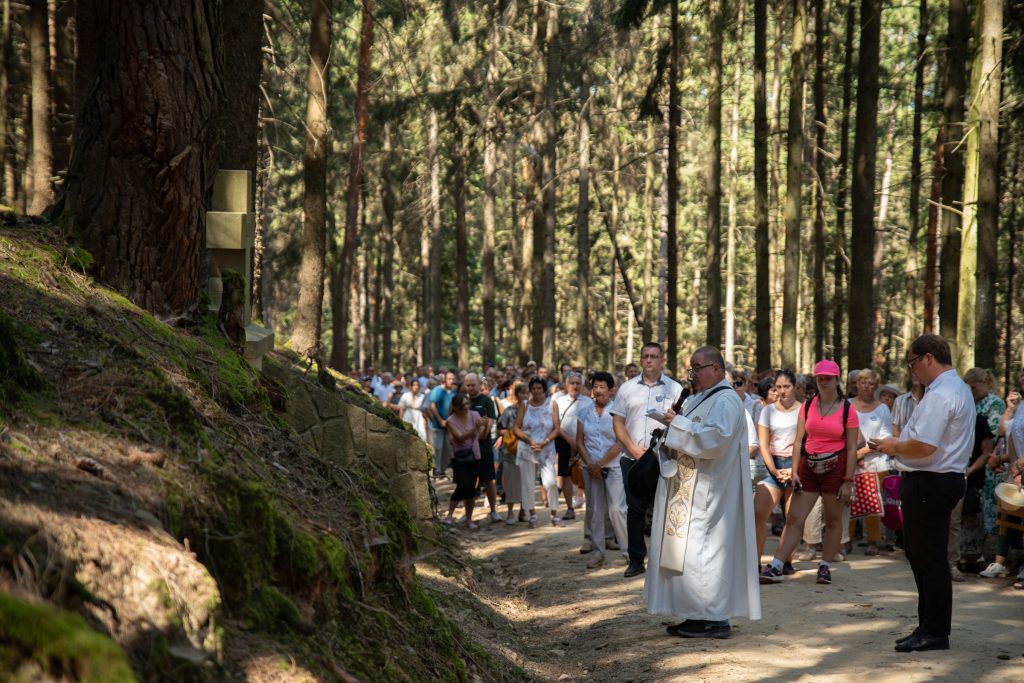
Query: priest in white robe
pixel 703 562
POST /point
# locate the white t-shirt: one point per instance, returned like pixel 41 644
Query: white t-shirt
pixel 634 399
pixel 875 424
pixel 569 411
pixel 944 418
pixel 781 428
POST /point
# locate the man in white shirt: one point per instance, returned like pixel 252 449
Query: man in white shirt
pixel 932 451
pixel 651 390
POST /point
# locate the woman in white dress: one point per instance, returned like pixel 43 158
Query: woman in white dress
pixel 411 407
pixel 875 425
pixel 536 427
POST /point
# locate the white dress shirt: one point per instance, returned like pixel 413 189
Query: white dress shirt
pixel 945 419
pixel 635 398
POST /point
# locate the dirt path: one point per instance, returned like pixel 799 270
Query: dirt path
pixel 539 606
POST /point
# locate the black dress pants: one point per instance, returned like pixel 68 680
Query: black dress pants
pixel 927 499
pixel 636 517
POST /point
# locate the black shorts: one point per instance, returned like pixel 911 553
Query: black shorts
pixel 486 463
pixel 565 453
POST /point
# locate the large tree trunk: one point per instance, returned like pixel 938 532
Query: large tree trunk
pixel 137 185
pixel 976 320
pixel 305 337
pixel 777 229
pixel 762 313
pixel 953 178
pixel 343 268
pixel 461 239
pixel 243 60
pixel 839 297
pixel 1015 187
pixel 734 161
pixel 549 166
pixel 650 296
pixel 527 304
pixel 388 200
pixel 436 247
pixel 820 316
pixel 488 272
pixel 913 276
pixel 42 130
pixel 863 195
pixel 878 259
pixel 672 198
pixel 5 127
pixel 794 186
pixel 932 244
pixel 583 227
pixel 714 175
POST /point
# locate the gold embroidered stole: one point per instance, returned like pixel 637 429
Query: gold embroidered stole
pixel 680 472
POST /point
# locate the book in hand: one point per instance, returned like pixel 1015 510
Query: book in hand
pixel 655 414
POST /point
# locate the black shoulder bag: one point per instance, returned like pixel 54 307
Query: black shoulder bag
pixel 642 480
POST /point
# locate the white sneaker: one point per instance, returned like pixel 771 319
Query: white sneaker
pixel 994 571
pixel 956 574
pixel 496 517
pixel 1020 574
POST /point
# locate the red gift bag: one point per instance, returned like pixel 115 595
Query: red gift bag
pixel 867 502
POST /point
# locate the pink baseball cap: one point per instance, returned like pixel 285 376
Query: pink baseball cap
pixel 827 367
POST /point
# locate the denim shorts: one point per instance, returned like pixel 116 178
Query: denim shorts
pixel 780 464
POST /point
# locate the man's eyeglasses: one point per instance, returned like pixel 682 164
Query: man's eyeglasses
pixel 694 369
pixel 911 361
pixel 651 356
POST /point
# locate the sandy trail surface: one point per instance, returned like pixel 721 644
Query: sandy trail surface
pixel 537 604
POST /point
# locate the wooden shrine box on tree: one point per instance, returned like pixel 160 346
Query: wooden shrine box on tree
pixel 230 237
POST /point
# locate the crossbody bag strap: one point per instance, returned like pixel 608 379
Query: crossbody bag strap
pixel 706 397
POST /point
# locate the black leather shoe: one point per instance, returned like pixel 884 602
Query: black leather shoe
pixel 673 630
pixel 634 569
pixel 914 633
pixel 922 642
pixel 702 629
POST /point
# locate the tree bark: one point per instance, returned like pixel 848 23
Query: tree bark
pixel 388 206
pixel 672 198
pixel 488 272
pixel 583 226
pixel 953 179
pixel 650 296
pixel 932 245
pixel 549 167
pixel 734 160
pixel 42 130
pixel 142 165
pixel 839 298
pixel 433 303
pixel 461 239
pixel 714 175
pixel 243 60
pixel 976 319
pixel 339 354
pixel 5 65
pixel 913 274
pixel 305 337
pixel 863 195
pixel 820 125
pixel 762 238
pixel 794 185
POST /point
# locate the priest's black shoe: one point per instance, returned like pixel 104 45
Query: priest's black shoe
pixel 913 634
pixel 673 630
pixel 701 629
pixel 922 642
pixel 634 569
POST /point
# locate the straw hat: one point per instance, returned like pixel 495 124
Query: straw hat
pixel 1011 497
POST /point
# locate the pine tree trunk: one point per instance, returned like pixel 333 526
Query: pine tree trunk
pixel 863 190
pixel 672 198
pixel 650 295
pixel 1014 182
pixel 583 227
pixel 762 313
pixel 878 260
pixel 42 131
pixel 777 229
pixel 5 64
pixel 839 298
pixel 550 168
pixel 527 302
pixel 305 337
pixel 794 186
pixel 488 273
pixel 435 246
pixel 340 354
pixel 913 275
pixel 976 319
pixel 734 159
pixel 820 123
pixel 953 163
pixel 932 245
pixel 714 175
pixel 389 231
pixel 136 189
pixel 461 238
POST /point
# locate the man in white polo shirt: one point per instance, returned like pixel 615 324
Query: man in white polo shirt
pixel 932 451
pixel 650 390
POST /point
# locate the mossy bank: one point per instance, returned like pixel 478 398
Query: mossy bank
pixel 168 513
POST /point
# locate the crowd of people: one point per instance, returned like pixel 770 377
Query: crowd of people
pixel 805 440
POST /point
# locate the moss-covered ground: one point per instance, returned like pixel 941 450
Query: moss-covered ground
pixel 311 558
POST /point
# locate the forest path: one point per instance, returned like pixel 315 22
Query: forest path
pixel 563 622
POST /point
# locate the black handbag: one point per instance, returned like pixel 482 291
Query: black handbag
pixel 642 479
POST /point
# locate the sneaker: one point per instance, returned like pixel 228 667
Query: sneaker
pixel 472 526
pixel 596 562
pixel 448 521
pixel 569 514
pixel 511 520
pixel 994 571
pixel 956 574
pixel 578 501
pixel 770 575
pixel 587 547
pixel 1020 574
pixel 824 574
pixel 788 569
pixel 533 521
pixel 495 516
pixel 806 555
pixel 554 520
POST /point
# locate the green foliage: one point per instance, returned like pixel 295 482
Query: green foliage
pixel 43 639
